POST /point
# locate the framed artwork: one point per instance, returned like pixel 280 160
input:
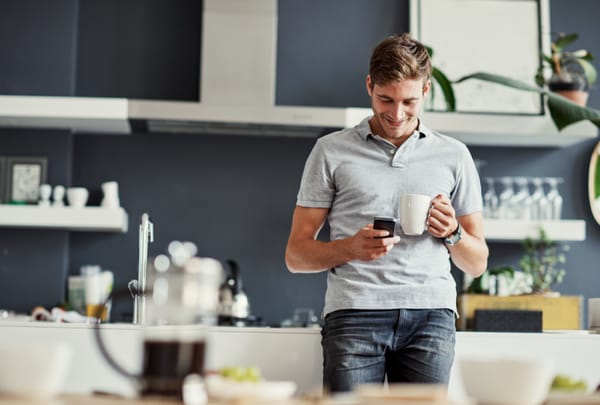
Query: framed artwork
pixel 470 36
pixel 24 175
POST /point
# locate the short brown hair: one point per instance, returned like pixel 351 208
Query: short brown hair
pixel 399 57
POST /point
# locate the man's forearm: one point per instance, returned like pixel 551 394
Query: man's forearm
pixel 470 255
pixel 310 256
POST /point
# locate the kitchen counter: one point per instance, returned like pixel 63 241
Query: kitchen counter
pixel 280 353
pixel 290 353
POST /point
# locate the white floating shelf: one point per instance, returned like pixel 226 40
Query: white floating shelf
pixel 508 130
pixel 73 219
pixel 80 114
pixel 497 230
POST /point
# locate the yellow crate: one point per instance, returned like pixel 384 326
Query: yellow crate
pixel 561 312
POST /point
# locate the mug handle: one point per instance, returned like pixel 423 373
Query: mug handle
pixel 102 345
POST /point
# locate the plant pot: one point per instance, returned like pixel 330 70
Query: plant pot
pixel 570 85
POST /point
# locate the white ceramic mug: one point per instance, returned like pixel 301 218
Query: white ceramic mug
pixel 77 196
pixel 413 213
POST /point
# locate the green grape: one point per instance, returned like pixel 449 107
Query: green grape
pixel 563 382
pixel 239 373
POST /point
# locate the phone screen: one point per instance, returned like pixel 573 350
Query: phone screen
pixel 387 223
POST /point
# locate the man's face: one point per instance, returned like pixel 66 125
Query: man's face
pixel 396 107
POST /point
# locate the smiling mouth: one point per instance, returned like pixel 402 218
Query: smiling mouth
pixel 394 123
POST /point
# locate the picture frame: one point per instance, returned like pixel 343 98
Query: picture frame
pixel 454 28
pixel 24 176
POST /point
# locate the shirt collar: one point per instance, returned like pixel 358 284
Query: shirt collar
pixel 364 130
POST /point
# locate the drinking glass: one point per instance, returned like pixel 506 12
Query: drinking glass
pixel 521 200
pixel 555 200
pixel 490 199
pixel 539 206
pixel 505 208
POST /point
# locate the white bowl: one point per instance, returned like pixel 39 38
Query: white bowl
pixel 77 196
pixel 507 381
pixel 221 388
pixel 33 369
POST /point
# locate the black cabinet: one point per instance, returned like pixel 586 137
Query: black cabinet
pixel 148 49
pixel 323 48
pixel 145 49
pixel 37 43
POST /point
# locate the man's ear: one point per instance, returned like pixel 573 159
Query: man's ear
pixel 369 84
pixel 426 88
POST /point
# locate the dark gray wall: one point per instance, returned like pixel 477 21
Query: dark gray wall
pixel 234 195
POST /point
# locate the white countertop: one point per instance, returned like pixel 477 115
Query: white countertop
pixel 291 353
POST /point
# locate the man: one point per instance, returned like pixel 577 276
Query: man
pixel 390 304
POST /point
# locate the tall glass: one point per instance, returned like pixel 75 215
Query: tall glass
pixel 490 199
pixel 555 200
pixel 521 201
pixel 539 206
pixel 505 207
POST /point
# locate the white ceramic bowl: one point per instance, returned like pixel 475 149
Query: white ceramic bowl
pixel 507 381
pixel 33 369
pixel 220 388
pixel 77 196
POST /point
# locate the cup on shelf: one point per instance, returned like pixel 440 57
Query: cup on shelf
pixel 77 196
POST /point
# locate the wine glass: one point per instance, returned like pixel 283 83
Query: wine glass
pixel 505 208
pixel 521 200
pixel 555 200
pixel 490 199
pixel 539 206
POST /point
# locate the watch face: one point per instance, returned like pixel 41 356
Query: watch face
pixel 26 181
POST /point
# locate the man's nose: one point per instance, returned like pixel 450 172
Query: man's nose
pixel 398 111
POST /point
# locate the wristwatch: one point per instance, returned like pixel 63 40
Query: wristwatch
pixel 455 237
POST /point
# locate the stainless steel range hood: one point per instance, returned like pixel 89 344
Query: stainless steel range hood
pixel 237 83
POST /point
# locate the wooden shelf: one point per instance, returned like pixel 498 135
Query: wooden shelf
pixel 497 230
pixel 74 219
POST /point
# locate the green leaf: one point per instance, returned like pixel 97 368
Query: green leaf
pixel 446 87
pixel 499 79
pixel 588 70
pixel 564 112
pixel 564 40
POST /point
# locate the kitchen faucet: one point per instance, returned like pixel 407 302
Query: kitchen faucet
pixel 138 287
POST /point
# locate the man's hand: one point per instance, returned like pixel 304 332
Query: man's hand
pixel 370 244
pixel 442 221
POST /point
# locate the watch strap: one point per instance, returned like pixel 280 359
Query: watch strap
pixel 454 237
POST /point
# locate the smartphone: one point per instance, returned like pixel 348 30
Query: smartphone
pixel 387 223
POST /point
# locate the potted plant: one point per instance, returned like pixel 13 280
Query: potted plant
pixel 541 262
pixel 572 72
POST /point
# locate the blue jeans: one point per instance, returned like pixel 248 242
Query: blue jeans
pixel 407 345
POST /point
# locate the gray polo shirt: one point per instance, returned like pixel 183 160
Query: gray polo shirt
pixel 358 176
